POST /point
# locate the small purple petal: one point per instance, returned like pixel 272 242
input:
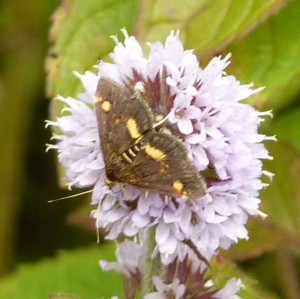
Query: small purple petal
pixel 185 126
pixel 162 233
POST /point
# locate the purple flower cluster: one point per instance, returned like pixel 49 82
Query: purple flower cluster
pixel 205 111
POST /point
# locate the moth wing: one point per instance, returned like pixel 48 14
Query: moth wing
pixel 122 117
pixel 162 165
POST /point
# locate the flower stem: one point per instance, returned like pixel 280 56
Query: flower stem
pixel 149 263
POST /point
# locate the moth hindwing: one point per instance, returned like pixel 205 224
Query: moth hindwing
pixel 138 154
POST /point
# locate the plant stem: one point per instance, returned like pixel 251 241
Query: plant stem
pixel 150 264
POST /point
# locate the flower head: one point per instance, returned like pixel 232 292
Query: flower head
pixel 203 109
pixel 180 279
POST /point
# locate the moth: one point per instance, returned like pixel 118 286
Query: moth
pixel 137 151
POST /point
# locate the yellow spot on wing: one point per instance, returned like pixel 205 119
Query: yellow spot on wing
pixel 106 106
pixel 155 153
pixel 98 99
pixel 178 186
pixel 133 129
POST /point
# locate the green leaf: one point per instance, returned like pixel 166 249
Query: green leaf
pixel 223 271
pixel 287 127
pixel 269 56
pixel 281 199
pixel 205 25
pixel 264 236
pixel 80 36
pixel 81 31
pixel 75 272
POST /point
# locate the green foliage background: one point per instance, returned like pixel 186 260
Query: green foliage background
pixel 50 248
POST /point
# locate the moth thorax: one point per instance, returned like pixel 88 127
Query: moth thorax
pixel 165 130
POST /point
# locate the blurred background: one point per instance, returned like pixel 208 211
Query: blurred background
pixel 264 38
pixel 31 228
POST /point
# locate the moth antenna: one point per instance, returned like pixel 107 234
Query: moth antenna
pixel 74 195
pixel 70 196
pixel 161 121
